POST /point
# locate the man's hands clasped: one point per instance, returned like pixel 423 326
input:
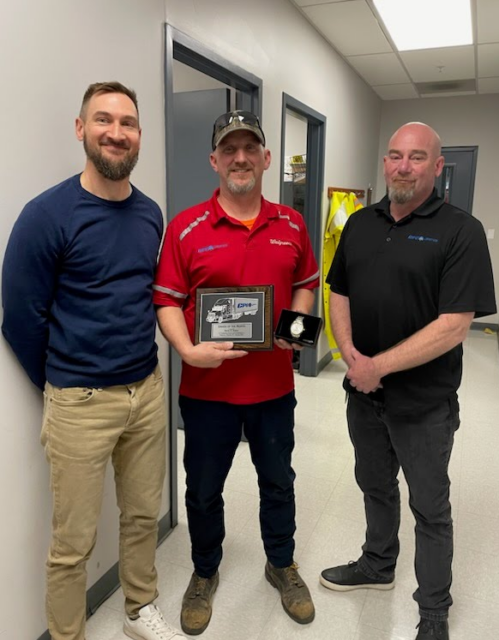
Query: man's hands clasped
pixel 362 372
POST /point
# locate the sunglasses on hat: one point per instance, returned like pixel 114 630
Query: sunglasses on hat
pixel 236 121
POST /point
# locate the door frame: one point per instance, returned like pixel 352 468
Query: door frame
pixel 474 152
pixel 314 187
pixel 183 48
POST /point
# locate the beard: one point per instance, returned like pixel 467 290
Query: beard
pixel 237 188
pixel 401 195
pixel 110 169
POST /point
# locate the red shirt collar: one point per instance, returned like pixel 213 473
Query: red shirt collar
pixel 267 210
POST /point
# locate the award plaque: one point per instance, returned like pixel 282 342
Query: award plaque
pixel 298 328
pixel 242 315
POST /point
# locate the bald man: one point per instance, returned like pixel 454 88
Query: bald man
pixel 410 274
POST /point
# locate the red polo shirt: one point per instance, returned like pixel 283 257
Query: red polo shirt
pixel 204 247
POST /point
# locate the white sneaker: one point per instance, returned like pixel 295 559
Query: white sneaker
pixel 150 625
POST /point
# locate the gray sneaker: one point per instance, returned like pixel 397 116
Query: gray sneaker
pixel 295 596
pixel 197 604
pixel 347 577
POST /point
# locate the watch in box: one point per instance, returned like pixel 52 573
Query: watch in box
pixel 298 328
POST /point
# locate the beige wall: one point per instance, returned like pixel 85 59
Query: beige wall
pixel 462 121
pixel 50 51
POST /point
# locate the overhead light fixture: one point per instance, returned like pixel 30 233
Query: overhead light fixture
pixel 427 24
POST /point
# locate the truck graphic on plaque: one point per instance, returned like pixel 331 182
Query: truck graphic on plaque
pixel 232 308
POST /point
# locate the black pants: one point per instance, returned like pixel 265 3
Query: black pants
pixel 421 445
pixel 212 434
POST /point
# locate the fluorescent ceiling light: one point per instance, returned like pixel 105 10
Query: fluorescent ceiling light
pixel 427 24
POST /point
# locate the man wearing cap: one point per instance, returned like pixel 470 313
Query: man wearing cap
pixel 237 238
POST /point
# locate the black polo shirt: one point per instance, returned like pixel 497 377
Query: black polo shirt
pixel 400 276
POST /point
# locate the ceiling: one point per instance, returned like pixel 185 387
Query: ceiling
pixel 357 33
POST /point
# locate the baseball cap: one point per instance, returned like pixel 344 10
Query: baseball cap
pixel 236 121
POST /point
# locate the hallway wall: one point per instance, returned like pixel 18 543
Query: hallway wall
pixel 50 52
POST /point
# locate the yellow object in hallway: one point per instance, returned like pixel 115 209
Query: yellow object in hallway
pixel 342 206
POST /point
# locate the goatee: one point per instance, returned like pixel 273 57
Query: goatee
pixel 111 170
pixel 400 196
pixel 240 188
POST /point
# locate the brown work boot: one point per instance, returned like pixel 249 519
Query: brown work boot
pixel 295 596
pixel 196 604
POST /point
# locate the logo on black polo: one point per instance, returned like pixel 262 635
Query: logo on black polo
pixel 422 239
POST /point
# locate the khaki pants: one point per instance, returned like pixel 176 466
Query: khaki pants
pixel 82 429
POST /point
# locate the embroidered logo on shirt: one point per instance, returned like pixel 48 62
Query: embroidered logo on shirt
pixel 212 247
pixel 422 238
pixel 281 242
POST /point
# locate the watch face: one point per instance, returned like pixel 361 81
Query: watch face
pixel 297 327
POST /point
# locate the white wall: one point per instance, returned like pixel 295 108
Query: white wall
pixel 186 78
pixel 462 121
pixel 272 40
pixel 50 52
pixel 296 134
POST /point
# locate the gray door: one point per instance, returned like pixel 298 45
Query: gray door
pixel 194 113
pixel 193 178
pixel 457 182
pixel 312 207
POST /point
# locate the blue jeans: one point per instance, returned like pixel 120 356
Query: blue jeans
pixel 212 433
pixel 421 444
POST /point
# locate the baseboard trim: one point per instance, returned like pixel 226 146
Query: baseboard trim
pixel 480 326
pixel 324 361
pixel 109 583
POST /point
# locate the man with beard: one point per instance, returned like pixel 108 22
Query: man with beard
pixel 79 315
pixel 409 276
pixel 237 238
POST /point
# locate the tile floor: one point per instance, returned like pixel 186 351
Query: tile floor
pixel 330 530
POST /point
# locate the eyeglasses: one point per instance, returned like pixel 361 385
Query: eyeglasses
pixel 236 119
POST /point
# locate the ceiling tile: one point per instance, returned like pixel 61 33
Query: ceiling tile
pixel 488 21
pixel 350 26
pixel 380 68
pixel 488 85
pixel 396 91
pixel 488 60
pixel 440 65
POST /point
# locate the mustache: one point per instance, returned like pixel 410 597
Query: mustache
pixel 111 143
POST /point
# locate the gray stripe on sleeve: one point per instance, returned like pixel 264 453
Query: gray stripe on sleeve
pixel 170 292
pixel 316 275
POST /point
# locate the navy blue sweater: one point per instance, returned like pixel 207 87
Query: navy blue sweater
pixel 77 287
